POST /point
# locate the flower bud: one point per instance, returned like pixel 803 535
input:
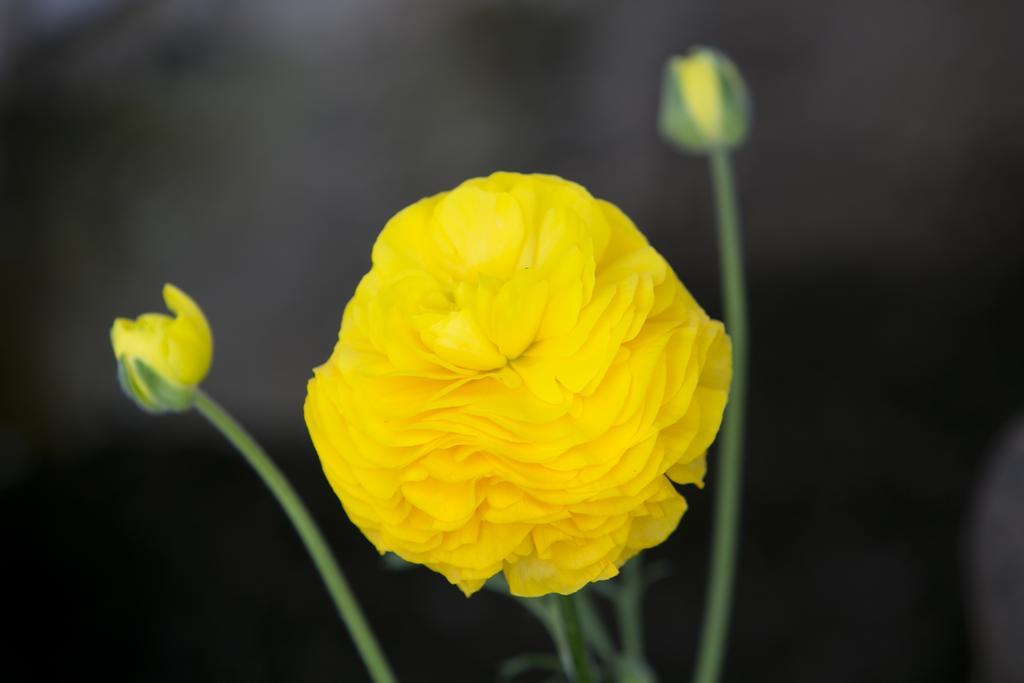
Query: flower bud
pixel 161 360
pixel 704 102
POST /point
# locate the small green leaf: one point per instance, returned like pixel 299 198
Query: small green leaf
pixel 525 663
pixel 394 563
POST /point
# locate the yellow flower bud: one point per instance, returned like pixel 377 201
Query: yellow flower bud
pixel 704 102
pixel 518 384
pixel 161 359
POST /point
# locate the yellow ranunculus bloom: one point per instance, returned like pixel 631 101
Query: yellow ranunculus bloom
pixel 517 382
pixel 161 359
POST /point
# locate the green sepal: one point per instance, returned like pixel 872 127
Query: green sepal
pixel 738 110
pixel 150 391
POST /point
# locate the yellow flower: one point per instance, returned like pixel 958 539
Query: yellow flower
pixel 161 359
pixel 704 102
pixel 517 382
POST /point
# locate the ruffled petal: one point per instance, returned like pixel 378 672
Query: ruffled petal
pixel 517 382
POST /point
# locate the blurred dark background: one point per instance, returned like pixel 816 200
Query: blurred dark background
pixel 250 152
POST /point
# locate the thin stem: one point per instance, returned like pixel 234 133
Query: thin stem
pixel 314 541
pixel 573 633
pixel 628 607
pixel 594 632
pixel 730 456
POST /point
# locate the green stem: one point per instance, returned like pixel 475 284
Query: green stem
pixel 730 456
pixel 594 632
pixel 329 570
pixel 573 633
pixel 628 608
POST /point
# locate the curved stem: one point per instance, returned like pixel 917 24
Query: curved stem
pixel 573 633
pixel 314 541
pixel 730 456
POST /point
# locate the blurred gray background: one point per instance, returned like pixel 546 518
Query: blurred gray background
pixel 250 151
